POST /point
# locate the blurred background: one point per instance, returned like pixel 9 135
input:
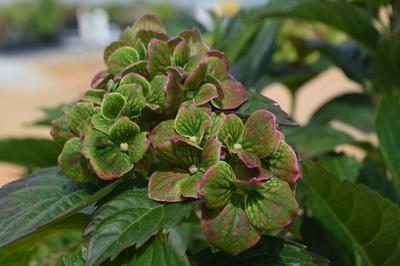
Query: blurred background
pixel 50 49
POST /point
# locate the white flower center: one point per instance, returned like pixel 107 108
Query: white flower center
pixel 237 146
pixel 123 146
pixel 193 169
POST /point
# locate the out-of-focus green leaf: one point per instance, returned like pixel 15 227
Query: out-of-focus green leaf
pixel 19 252
pixel 313 140
pixel 44 197
pixel 365 223
pixel 78 258
pixel 50 114
pixel 355 61
pixel 254 62
pixel 354 109
pixel 269 251
pixel 388 129
pixel 343 166
pixel 29 152
pixel 352 20
pixel 257 101
pixel 129 219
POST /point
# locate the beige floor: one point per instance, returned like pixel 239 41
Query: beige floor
pixel 43 80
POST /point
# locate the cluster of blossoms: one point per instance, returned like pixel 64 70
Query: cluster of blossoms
pixel 163 104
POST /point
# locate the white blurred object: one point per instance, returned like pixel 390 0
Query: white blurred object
pixel 94 26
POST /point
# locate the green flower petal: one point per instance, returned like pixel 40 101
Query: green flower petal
pixel 284 164
pixel 251 160
pixel 196 77
pixel 93 96
pixel 136 101
pixel 138 147
pixel 112 105
pixel 166 186
pixel 105 158
pixel 190 186
pixel 179 154
pixel 158 92
pixel 216 186
pixel 192 123
pixel 112 47
pixel 231 127
pixel 133 78
pixel 181 54
pixel 211 153
pixel 147 35
pixel 193 62
pixel 217 67
pixel 148 22
pixel 159 57
pixel 124 130
pixel 78 113
pixel 206 93
pixel 193 37
pixel 102 124
pixel 216 122
pixel 231 94
pixel 260 134
pixel 139 67
pixel 273 207
pixel 121 58
pixel 73 163
pixel 228 229
pixel 60 130
pixel 162 133
pixel 175 93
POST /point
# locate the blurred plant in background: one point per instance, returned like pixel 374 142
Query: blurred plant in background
pixel 350 204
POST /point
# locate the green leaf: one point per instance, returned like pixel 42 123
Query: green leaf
pixel 45 196
pixel 387 125
pixel 354 109
pixel 20 251
pixel 124 130
pixel 157 251
pixel 129 219
pixel 106 159
pixel 192 123
pixel 345 167
pixel 328 138
pixel 50 114
pixel 269 251
pixel 363 221
pixel 260 136
pixel 121 58
pixel 229 229
pixel 159 57
pixel 112 105
pixel 73 163
pixel 272 207
pixel 257 101
pixel 30 153
pixel 78 258
pixel 353 20
pixel 216 185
